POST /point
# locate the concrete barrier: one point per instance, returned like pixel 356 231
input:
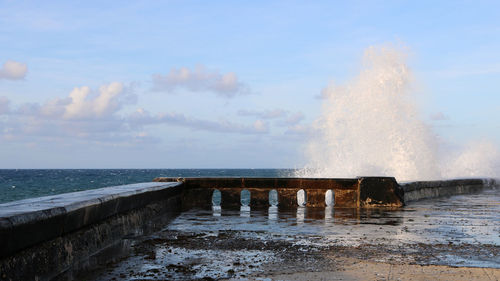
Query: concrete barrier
pixel 42 237
pixel 419 190
pixel 362 192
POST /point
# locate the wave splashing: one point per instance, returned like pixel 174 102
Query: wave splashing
pixel 371 127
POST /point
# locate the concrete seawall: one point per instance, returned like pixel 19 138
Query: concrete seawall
pixel 41 238
pixel 362 192
pixel 418 190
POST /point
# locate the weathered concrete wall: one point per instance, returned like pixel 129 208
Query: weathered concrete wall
pixel 348 193
pixel 379 192
pixel 42 237
pixel 430 189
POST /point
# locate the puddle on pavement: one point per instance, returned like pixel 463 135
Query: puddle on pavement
pixel 235 243
pixel 459 219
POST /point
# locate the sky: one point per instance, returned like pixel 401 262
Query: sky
pixel 224 84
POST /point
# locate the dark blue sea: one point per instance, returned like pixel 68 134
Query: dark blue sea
pixel 22 184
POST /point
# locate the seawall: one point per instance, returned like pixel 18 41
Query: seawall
pixel 362 192
pixel 41 238
pixel 418 190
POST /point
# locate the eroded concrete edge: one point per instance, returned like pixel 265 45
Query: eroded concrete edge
pixel 29 222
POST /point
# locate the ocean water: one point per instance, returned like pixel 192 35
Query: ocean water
pixel 21 184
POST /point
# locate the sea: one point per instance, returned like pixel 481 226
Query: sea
pixel 18 184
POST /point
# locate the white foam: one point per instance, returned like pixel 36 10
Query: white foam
pixel 371 126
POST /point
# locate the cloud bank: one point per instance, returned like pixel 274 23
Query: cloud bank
pixel 13 70
pixel 141 118
pixel 199 79
pixel 98 115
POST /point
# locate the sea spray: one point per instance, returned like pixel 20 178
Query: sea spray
pixel 476 159
pixel 371 126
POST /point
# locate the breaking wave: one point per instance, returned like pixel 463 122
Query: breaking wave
pixel 371 126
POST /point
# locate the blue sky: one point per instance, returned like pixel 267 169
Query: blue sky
pixel 223 84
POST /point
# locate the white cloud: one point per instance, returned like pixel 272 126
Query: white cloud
pixel 199 80
pixel 82 103
pixel 13 70
pixel 79 106
pixel 84 114
pixel 106 103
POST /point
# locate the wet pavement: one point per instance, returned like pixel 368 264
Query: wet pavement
pixel 213 244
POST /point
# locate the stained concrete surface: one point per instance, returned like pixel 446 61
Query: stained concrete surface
pixel 31 221
pixel 271 244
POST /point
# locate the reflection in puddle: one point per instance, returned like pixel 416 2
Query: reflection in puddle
pixel 461 219
pixel 301 213
pixel 216 211
pixel 273 213
pixel 328 214
pixel 245 211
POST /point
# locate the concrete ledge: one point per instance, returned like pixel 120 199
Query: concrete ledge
pixel 28 222
pixel 363 192
pixel 418 190
pixel 63 255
